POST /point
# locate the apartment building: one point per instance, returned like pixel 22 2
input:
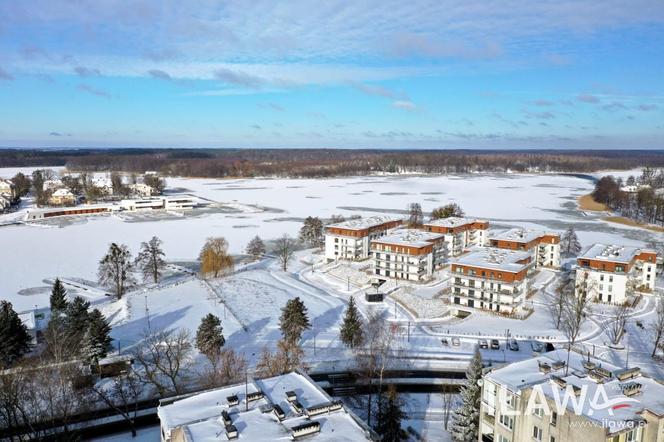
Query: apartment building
pixel 608 273
pixel 408 254
pixel 7 188
pixel 544 246
pixel 350 240
pixel 522 402
pixel 460 233
pixel 490 278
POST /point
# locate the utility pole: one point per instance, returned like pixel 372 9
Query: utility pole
pixel 147 311
pixel 408 331
pixel 246 389
pixel 395 309
pixel 348 286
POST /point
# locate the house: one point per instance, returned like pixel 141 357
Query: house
pixel 140 189
pixel 259 410
pixel 608 273
pixel 491 278
pixel 351 239
pixel 460 233
pixel 62 197
pixel 5 202
pixel 545 247
pixel 408 254
pixel 7 189
pixel 542 400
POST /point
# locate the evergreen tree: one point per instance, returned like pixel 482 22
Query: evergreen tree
pixel 15 340
pixel 76 322
pixel 452 209
pixel 256 247
pixel 209 337
pixel 293 321
pixel 97 339
pixel 467 417
pixel 569 243
pixel 390 415
pixel 58 298
pixel 311 231
pixel 351 329
pixel 151 259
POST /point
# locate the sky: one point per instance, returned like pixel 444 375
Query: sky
pixel 443 74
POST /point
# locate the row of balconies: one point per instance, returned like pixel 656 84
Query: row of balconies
pixel 496 300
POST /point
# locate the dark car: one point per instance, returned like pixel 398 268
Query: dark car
pixel 483 343
pixel 495 345
pixel 513 345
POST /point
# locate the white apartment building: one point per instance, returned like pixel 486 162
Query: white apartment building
pixel 522 402
pixel 408 254
pixel 460 233
pixel 492 279
pixel 544 246
pixel 607 273
pixel 350 240
pixel 158 203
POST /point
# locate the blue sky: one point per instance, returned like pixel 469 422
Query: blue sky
pixel 384 74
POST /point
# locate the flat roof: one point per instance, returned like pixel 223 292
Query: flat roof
pixel 453 221
pixel 365 223
pixel 612 253
pixel 494 258
pixel 518 234
pixel 410 237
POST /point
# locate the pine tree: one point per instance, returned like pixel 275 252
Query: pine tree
pixel 97 339
pixel 570 245
pixel 311 231
pixel 256 247
pixel 151 259
pixel 58 298
pixel 467 417
pixel 390 416
pixel 293 321
pixel 77 316
pixel 351 328
pixel 209 337
pixel 15 340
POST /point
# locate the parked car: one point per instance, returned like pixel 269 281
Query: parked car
pixel 456 342
pixel 444 342
pixel 483 343
pixel 513 345
pixel 495 345
pixel 537 346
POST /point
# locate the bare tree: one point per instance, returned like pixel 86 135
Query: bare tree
pixel 574 313
pixel 17 401
pixel 214 257
pixel 285 248
pixel 563 291
pixel 121 393
pixel 287 357
pixel 415 217
pixel 226 368
pixel 256 247
pixel 164 358
pixel 657 326
pixel 115 269
pixel 448 401
pixel 151 259
pixel 618 318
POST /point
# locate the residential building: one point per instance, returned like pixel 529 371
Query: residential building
pixel 62 197
pixel 542 400
pixel 158 203
pixel 5 202
pixel 7 189
pixel 350 240
pixel 276 408
pixel 609 273
pixel 140 189
pixel 492 279
pixel 545 247
pixel 408 254
pixel 460 233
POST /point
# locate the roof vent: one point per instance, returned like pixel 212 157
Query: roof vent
pixel 629 373
pixel 631 388
pixel 544 367
pixel 562 383
pixel 306 429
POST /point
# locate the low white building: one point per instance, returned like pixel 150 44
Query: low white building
pixel 460 233
pixel 544 246
pixel 277 408
pixel 608 273
pixel 179 203
pixel 408 254
pixel 159 203
pixel 350 240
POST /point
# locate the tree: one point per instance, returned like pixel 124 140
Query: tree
pixel 15 341
pixel 311 232
pixel 335 219
pixel 618 318
pixel 657 326
pixel 293 320
pixel 39 177
pixel 467 417
pixel 351 329
pixel 563 290
pixel 209 337
pixel 158 184
pixel 452 209
pixel 77 319
pixel 390 416
pixel 256 247
pixel 151 259
pixel 574 314
pixel 60 344
pixel 58 299
pixel 97 339
pixel 122 395
pixel 415 217
pixel 227 368
pixel 287 357
pixel 22 184
pixel 119 188
pixel 73 183
pixel 569 243
pixel 448 401
pixel 115 269
pixel 285 248
pixel 214 257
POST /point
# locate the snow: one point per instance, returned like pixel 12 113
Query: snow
pixel 498 259
pixel 410 237
pixel 365 223
pixel 611 253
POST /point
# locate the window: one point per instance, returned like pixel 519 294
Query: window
pixel 502 438
pixel 552 439
pixel 537 433
pixel 632 435
pixel 538 411
pixel 507 421
pixel 554 418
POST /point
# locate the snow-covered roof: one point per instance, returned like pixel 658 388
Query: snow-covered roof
pixel 63 192
pixel 28 319
pixel 410 237
pixel 200 414
pixel 494 258
pixel 521 375
pixel 364 223
pixel 518 234
pixel 611 253
pixel 452 221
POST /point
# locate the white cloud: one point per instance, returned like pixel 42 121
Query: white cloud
pixel 405 105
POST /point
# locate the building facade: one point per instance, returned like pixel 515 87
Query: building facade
pixel 610 273
pixel 544 246
pixel 491 279
pixel 460 233
pixel 350 240
pixel 408 254
pixel 7 189
pixel 62 197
